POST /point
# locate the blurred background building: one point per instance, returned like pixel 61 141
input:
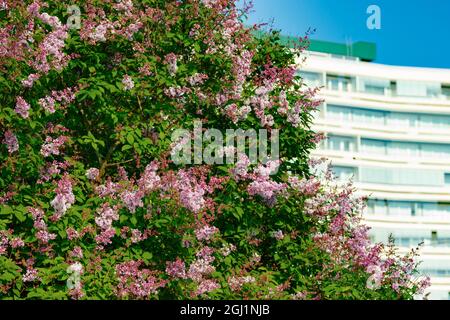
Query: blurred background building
pixel 388 129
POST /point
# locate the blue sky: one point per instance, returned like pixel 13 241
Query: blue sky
pixel 413 32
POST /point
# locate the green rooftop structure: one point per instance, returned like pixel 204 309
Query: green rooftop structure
pixel 365 51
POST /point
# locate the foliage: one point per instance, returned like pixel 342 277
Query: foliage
pixel 91 205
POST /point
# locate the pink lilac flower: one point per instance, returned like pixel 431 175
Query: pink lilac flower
pixel 192 198
pixel 236 283
pixel 42 234
pixel 127 82
pixel 52 146
pixel 268 169
pixel 11 141
pixel 149 179
pixel 171 61
pixel 53 21
pixel 45 236
pixel 48 103
pixel 99 33
pixel 17 243
pixel 136 282
pixel 278 235
pixel 77 252
pixel 31 275
pixel 267 189
pixel 176 269
pixel 206 232
pixel 176 92
pixel 241 168
pixel 76 293
pixel 75 270
pixel 72 233
pixel 64 197
pixel 132 199
pixel 145 70
pixel 3 242
pixel 307 187
pixel 137 236
pixel 108 189
pixel 64 96
pixel 197 79
pixel 232 112
pixel 104 238
pixel 124 5
pixel 92 173
pixel 28 82
pixel 202 265
pixel 22 107
pixel 3 5
pixel 242 66
pixel 130 30
pixel 199 268
pixel 227 249
pixel 52 45
pixel 207 286
pixel 106 216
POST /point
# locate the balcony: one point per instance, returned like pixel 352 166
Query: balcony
pixel 377 87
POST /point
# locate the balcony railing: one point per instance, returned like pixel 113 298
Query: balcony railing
pixel 385 92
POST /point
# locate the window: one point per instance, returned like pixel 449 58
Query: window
pixel 434 121
pixel 341 143
pixel 312 79
pixel 401 176
pixel 401 119
pixel 344 173
pixel 447 179
pixel 340 83
pixel 445 91
pixel 371 146
pixel 434 236
pixel 369 116
pixel 374 86
pixel 339 113
pixel 399 208
pixel 417 88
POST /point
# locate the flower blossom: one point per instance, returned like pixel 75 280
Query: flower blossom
pixel 127 82
pixel 29 81
pixel 31 275
pixel 206 232
pixel 51 146
pixel 11 141
pixel 207 286
pixel 22 107
pixel 136 282
pixel 171 61
pixel 176 269
pixel 64 197
pixel 92 173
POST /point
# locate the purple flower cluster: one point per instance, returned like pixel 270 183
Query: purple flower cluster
pixel 64 197
pixel 42 234
pixel 51 146
pixel 205 233
pixel 176 269
pixel 22 107
pixel 11 141
pixel 136 282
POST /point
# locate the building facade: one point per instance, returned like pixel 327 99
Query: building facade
pixel 388 129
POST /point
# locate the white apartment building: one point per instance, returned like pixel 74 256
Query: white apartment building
pixel 388 128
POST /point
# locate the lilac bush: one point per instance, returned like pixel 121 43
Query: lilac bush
pixel 92 205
